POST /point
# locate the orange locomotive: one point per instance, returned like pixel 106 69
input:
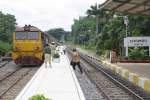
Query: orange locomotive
pixel 28 44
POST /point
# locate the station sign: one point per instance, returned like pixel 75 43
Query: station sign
pixel 136 41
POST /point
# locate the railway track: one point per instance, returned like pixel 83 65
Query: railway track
pixel 7 75
pixel 5 60
pixel 3 63
pixel 112 86
pixel 108 88
pixel 136 92
pixel 13 78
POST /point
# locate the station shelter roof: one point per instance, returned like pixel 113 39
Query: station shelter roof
pixel 128 6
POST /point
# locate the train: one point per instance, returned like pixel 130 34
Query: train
pixel 28 45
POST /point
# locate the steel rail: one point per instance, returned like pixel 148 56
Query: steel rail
pixel 104 94
pixel 4 64
pixel 111 78
pixel 5 77
pixel 136 92
pixel 22 76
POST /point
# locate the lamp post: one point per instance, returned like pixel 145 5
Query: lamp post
pixel 126 22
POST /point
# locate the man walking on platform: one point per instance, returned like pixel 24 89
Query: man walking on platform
pixel 47 55
pixel 76 60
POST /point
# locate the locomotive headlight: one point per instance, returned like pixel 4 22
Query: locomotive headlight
pixel 37 48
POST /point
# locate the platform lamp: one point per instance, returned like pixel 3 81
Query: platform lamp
pixel 126 22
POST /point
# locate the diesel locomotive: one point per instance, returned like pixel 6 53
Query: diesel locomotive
pixel 28 44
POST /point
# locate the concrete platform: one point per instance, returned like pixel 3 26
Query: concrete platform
pixel 143 69
pixel 56 83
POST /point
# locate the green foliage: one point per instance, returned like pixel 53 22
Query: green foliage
pixel 83 30
pixel 139 25
pixel 137 53
pixel 56 55
pixel 7 27
pixel 5 48
pixel 58 33
pixel 94 10
pixel 111 32
pixel 39 97
pixel 104 53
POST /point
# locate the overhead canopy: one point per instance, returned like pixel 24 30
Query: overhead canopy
pixel 129 6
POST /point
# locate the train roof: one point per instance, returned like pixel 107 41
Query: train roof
pixel 30 29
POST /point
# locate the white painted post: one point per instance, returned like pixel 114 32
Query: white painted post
pixel 110 56
pixel 126 51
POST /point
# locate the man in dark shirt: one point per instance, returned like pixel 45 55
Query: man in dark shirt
pixel 47 54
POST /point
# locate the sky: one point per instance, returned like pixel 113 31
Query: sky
pixel 47 14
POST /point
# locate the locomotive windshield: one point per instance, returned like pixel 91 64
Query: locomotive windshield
pixel 21 36
pixel 27 36
pixel 33 35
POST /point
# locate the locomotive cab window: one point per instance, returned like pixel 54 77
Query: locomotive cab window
pixel 21 36
pixel 33 35
pixel 27 36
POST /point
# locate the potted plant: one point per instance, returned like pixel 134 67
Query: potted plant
pixel 56 57
pixel 38 97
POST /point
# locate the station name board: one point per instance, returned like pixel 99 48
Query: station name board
pixel 136 41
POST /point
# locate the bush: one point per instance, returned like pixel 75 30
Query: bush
pixel 103 53
pixel 99 52
pixel 56 55
pixel 137 54
pixel 5 48
pixel 39 97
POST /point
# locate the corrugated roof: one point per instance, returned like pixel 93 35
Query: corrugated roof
pixel 129 6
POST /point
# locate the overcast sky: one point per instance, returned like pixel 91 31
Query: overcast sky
pixel 47 14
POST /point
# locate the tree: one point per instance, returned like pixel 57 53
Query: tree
pixel 97 13
pixel 100 15
pixel 7 27
pixel 58 33
pixel 109 32
pixel 84 27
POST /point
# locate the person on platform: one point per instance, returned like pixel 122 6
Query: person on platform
pixel 64 50
pixel 47 55
pixel 76 60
